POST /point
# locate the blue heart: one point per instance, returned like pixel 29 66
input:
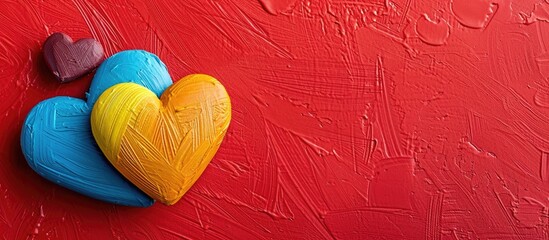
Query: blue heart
pixel 58 143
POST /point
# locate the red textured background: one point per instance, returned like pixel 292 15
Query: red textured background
pixel 376 119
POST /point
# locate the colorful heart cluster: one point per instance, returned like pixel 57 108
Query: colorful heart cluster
pixel 137 138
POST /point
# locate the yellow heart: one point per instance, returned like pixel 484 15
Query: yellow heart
pixel 162 145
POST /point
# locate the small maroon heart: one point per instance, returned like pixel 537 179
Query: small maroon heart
pixel 69 60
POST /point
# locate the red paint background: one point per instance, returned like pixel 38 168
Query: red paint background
pixel 346 122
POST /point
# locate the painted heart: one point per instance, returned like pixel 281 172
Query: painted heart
pixel 162 145
pixel 57 141
pixel 69 60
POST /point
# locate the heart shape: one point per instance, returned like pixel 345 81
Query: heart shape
pixel 162 145
pixel 69 60
pixel 57 141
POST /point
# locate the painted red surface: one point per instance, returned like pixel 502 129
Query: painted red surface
pixel 365 119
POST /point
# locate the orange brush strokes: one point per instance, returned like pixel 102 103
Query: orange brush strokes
pixel 162 145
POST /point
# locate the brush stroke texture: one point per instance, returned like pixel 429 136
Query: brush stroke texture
pixel 345 123
pixel 70 60
pixel 57 141
pixel 162 145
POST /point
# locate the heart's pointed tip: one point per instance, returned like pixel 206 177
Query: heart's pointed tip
pixel 148 204
pixel 70 78
pixel 144 202
pixel 65 79
pixel 169 202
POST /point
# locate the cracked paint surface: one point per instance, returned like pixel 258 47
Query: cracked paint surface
pixel 350 119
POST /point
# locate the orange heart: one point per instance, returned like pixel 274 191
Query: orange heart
pixel 162 145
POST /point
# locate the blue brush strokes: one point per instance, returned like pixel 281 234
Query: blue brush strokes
pixel 58 143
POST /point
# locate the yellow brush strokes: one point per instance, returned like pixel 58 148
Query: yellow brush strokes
pixel 162 145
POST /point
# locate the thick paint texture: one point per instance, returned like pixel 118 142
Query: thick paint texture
pixel 57 141
pixel 162 145
pixel 69 60
pixel 474 13
pixel 347 121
